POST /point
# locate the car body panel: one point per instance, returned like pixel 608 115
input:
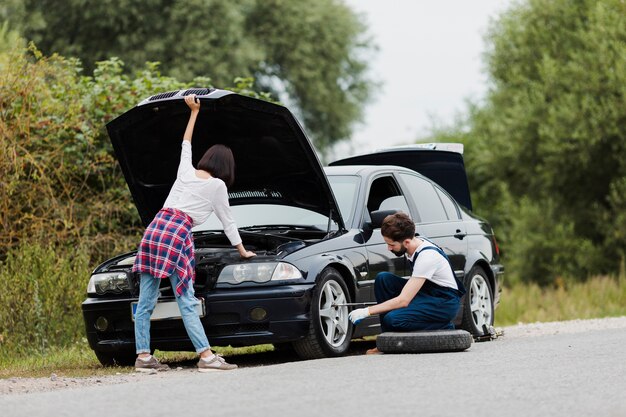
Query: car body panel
pixel 274 159
pixel 227 320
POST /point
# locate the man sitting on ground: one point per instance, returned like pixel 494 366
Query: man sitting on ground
pixel 427 300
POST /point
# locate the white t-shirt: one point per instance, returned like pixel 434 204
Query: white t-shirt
pixel 431 265
pixel 200 197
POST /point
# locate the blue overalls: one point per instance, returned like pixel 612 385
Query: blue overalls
pixel 433 307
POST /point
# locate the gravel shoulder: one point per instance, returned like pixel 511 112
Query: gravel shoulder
pixel 11 386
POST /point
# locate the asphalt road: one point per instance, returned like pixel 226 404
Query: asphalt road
pixel 581 374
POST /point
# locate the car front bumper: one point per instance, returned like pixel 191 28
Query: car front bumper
pixel 229 319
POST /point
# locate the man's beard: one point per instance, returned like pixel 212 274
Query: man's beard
pixel 400 252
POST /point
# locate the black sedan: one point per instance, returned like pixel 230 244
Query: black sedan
pixel 315 231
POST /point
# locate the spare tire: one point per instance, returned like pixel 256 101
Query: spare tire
pixel 425 341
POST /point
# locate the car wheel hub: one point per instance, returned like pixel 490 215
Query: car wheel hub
pixel 333 319
pixel 480 302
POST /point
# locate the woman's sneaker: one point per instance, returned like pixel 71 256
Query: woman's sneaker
pixel 217 363
pixel 150 366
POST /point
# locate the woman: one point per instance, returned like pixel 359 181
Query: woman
pixel 166 249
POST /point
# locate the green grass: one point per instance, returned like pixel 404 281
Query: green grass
pixel 79 361
pixel 74 361
pixel 597 297
pixel 228 351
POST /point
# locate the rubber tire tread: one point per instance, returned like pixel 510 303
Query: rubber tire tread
pixel 427 341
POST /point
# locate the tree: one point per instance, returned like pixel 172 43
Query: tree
pixel 546 149
pixel 549 142
pixel 312 55
pixel 61 181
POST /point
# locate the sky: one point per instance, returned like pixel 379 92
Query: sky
pixel 429 63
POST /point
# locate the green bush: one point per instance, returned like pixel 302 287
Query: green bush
pixel 543 246
pixel 41 290
pixel 62 185
pixel 61 181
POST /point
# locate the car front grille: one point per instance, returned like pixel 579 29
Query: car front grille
pixel 163 95
pixel 198 91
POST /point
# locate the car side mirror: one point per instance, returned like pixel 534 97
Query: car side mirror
pixel 377 217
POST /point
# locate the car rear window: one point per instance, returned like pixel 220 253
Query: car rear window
pixel 426 199
pixel 451 208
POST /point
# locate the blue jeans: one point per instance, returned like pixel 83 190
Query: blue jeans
pixel 148 294
pixel 433 308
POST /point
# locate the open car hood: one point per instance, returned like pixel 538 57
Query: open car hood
pixel 442 163
pixel 274 160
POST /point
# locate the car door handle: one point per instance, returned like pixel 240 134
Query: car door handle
pixel 459 235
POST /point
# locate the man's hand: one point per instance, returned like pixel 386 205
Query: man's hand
pixel 359 314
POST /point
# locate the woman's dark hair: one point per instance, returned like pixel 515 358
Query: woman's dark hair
pixel 398 227
pixel 219 161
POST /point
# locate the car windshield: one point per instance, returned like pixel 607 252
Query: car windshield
pixel 344 187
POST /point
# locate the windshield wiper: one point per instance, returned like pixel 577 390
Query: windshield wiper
pixel 207 232
pixel 273 227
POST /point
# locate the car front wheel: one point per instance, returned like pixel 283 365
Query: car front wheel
pixel 330 330
pixel 478 303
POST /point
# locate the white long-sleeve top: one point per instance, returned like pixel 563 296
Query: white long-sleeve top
pixel 200 197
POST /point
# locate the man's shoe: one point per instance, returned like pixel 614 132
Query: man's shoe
pixel 217 363
pixel 373 351
pixel 150 366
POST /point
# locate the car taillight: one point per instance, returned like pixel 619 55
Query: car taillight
pixel 495 243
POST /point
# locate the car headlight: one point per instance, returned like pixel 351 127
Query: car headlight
pixel 108 282
pixel 258 272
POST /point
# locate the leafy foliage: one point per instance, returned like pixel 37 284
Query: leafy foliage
pixel 64 204
pixel 318 54
pixel 546 151
pixel 41 291
pixel 313 55
pixel 62 183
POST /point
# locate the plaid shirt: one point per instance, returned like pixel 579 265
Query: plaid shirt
pixel 167 247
